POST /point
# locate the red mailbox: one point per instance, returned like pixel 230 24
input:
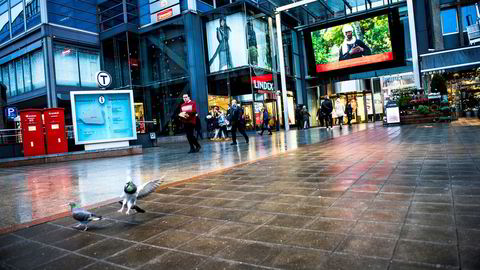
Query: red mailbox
pixel 32 132
pixel 55 130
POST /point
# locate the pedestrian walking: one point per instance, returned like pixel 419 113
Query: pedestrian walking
pixel 305 117
pixel 188 111
pixel 320 116
pixel 198 128
pixel 327 109
pixel 349 111
pixel 237 121
pixel 339 111
pixel 265 124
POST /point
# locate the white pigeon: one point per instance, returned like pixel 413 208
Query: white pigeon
pixel 131 193
pixel 82 216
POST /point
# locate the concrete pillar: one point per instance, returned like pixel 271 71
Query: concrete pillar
pixel 436 23
pixel 49 66
pixel 197 64
pixel 413 41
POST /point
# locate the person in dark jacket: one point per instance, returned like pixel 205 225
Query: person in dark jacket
pixel 299 117
pixel 327 108
pixel 265 124
pixel 237 121
pixel 349 112
pixel 198 128
pixel 320 116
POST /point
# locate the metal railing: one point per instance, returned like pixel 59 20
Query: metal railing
pixel 10 136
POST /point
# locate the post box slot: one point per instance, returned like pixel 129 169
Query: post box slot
pixel 32 128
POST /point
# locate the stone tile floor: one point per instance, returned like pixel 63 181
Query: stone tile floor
pixel 33 193
pixel 384 198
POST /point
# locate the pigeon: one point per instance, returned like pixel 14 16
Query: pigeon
pixel 131 193
pixel 82 215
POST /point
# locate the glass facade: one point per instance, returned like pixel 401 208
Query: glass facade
pixel 4 23
pixel 32 13
pixel 24 74
pixel 80 14
pixel 449 21
pixel 165 53
pixel 75 67
pixel 16 10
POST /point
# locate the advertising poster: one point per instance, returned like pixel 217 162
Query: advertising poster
pixel 258 44
pixel 353 44
pixel 226 42
pixel 103 116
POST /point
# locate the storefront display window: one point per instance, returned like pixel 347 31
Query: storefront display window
pixel 140 117
pixel 75 67
pixel 38 70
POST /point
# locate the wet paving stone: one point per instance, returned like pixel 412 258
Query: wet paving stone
pixel 136 256
pixel 105 248
pixel 424 252
pixel 368 246
pixel 174 260
pixel 71 261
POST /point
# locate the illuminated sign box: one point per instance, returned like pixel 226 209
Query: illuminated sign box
pixel 354 44
pixel 103 116
pixel 165 14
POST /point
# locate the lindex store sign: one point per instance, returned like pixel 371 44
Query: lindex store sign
pixel 161 10
pixel 263 84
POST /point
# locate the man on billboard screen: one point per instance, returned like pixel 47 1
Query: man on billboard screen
pixel 358 43
pixel 351 46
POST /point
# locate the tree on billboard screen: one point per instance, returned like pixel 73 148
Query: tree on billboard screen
pixel 374 32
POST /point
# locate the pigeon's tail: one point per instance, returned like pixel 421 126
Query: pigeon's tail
pixel 95 217
pixel 138 209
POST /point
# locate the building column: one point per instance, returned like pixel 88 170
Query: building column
pixel 434 6
pixel 283 79
pixel 413 41
pixel 49 65
pixel 197 64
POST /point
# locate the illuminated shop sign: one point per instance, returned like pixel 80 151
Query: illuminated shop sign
pixel 263 82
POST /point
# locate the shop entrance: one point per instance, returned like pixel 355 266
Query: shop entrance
pixel 362 106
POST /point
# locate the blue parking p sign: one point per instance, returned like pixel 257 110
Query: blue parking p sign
pixel 11 112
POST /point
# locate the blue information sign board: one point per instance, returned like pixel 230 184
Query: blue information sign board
pixel 103 116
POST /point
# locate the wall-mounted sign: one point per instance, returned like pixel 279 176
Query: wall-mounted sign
pixel 11 113
pixel 162 4
pixel 165 14
pixel 104 79
pixel 103 116
pixel 263 82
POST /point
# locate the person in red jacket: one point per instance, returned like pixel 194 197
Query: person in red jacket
pixel 188 112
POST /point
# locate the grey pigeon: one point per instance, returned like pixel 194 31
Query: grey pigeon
pixel 131 193
pixel 82 215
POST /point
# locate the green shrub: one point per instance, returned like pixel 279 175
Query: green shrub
pixel 422 109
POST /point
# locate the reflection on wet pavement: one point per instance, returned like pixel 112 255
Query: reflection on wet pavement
pixel 34 192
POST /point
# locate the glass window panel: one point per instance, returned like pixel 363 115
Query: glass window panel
pixel 38 70
pixel 19 71
pixel 89 66
pixel 13 80
pixel 449 21
pixel 32 13
pixel 6 78
pixel 468 11
pixel 17 17
pixel 66 66
pixel 26 74
pixel 4 28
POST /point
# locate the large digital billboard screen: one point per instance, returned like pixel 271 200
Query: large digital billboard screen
pixel 103 116
pixel 353 44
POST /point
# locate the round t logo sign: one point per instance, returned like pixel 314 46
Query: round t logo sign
pixel 103 79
